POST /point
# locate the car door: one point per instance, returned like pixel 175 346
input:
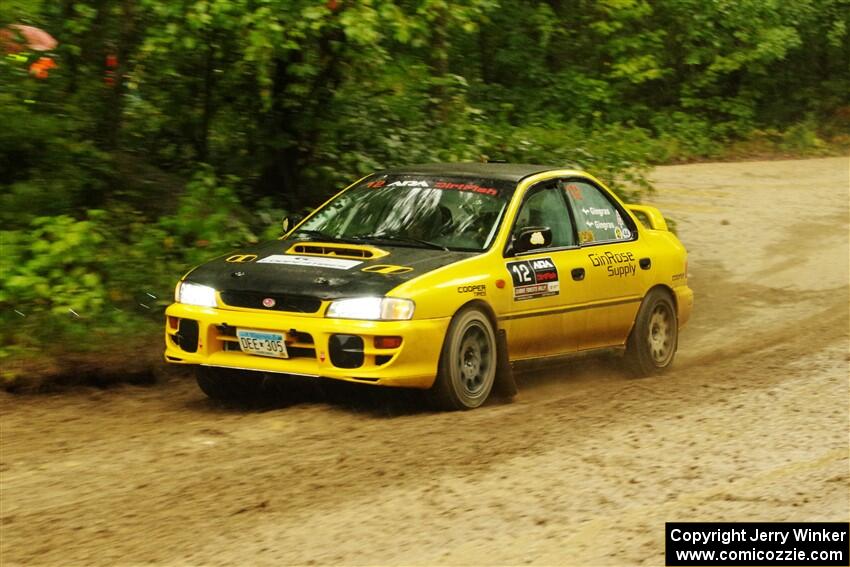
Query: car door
pixel 547 282
pixel 618 263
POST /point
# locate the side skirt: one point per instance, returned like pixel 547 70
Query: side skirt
pixel 554 359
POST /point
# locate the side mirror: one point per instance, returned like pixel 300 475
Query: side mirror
pixel 532 237
pixel 290 221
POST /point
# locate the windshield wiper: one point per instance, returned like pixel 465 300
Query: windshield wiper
pixel 365 237
pixel 406 239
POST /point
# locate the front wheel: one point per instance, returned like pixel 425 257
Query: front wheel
pixel 468 362
pixel 226 384
pixel 655 336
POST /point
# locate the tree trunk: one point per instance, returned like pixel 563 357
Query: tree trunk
pixel 439 64
pixel 202 144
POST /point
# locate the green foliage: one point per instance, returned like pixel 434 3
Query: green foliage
pixel 803 138
pixel 48 166
pixel 682 136
pixel 67 280
pixel 54 266
pixel 53 277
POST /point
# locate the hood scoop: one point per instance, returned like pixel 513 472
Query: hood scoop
pixel 337 250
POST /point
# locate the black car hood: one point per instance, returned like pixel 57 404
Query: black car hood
pixel 311 276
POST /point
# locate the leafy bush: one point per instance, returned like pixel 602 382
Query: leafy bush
pixel 802 138
pixel 614 153
pixel 93 284
pixel 682 137
pixel 49 165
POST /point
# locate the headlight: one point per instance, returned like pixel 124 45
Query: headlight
pixel 372 308
pixel 194 294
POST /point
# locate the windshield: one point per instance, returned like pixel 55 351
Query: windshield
pixel 414 210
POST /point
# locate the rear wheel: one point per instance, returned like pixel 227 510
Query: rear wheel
pixel 227 384
pixel 468 362
pixel 655 336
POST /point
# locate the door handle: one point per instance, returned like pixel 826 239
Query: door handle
pixel 578 274
pixel 645 263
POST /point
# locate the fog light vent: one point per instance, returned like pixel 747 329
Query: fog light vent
pixel 187 335
pixel 346 351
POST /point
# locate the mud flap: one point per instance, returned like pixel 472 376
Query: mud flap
pixel 505 386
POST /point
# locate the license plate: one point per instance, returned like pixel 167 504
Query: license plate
pixel 262 343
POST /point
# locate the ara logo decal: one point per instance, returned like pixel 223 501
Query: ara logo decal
pixel 241 258
pixel 542 264
pixel 409 183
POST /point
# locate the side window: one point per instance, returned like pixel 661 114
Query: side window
pixel 546 207
pixel 597 219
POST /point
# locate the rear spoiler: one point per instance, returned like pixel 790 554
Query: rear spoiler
pixel 649 216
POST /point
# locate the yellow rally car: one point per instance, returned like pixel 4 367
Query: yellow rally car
pixel 438 276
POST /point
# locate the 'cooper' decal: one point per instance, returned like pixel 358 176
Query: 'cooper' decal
pixel 312 261
pixel 534 278
pixel 478 290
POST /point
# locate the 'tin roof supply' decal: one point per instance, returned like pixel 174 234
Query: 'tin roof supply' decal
pixel 311 261
pixel 534 278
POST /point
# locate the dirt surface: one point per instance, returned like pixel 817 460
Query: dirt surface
pixel 583 468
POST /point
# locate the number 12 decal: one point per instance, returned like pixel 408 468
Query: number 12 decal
pixel 534 278
pixel 521 273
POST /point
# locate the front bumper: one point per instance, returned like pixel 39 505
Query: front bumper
pixel 413 364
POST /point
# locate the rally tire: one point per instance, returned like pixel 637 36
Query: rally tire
pixel 467 368
pixel 225 384
pixel 654 339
